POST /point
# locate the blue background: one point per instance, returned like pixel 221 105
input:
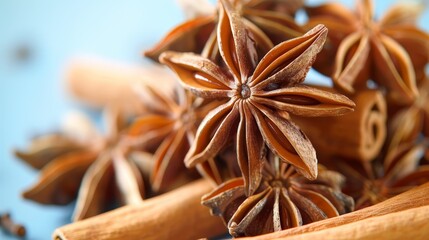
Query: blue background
pixel 33 99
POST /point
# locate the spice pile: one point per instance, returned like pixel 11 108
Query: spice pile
pixel 276 153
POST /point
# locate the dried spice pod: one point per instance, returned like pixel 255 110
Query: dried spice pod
pixel 397 204
pixel 409 124
pixel 223 167
pixel 63 158
pixel 59 181
pixel 168 129
pixel 43 149
pixel 260 97
pixel 402 169
pixel 7 224
pixel 359 135
pixel 96 173
pixel 111 171
pixel 270 22
pixel 384 51
pixel 284 199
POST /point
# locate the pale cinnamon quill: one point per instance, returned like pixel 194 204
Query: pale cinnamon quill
pixel 177 214
pixel 381 227
pixel 99 83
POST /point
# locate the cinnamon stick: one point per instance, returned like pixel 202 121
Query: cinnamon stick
pixel 414 198
pixel 99 83
pixel 177 214
pixel 358 135
pixel 409 224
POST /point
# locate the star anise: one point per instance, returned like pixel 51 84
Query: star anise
pixel 260 97
pixel 284 199
pixel 98 170
pixel 168 129
pixel 372 182
pixel 222 168
pixel 390 51
pixel 411 123
pixel 270 21
pixel 45 148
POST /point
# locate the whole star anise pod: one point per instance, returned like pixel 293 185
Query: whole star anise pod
pixel 411 123
pixel 260 97
pixel 372 182
pixel 168 129
pixel 222 168
pixel 98 170
pixel 270 21
pixel 45 148
pixel 284 199
pixel 390 51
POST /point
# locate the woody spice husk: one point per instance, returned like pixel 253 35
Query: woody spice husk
pixel 414 198
pixel 99 83
pixel 358 135
pixel 401 225
pixel 174 215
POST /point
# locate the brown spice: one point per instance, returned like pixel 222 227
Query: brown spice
pixel 85 77
pixel 260 97
pixel 177 214
pixel 10 226
pixel 411 123
pixel 92 172
pixel 419 196
pixel 259 108
pixel 284 200
pixel 372 182
pixel 359 135
pixel 269 22
pixel 42 149
pixel 385 51
pixel 169 128
pixel 407 224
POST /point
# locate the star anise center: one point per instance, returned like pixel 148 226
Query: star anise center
pixel 187 118
pixel 421 101
pixel 281 176
pixel 368 26
pixel 106 143
pixel 279 183
pixel 244 91
pixel 374 190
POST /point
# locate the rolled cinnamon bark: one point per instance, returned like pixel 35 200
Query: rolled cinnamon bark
pixel 99 83
pixel 414 198
pixel 409 224
pixel 358 135
pixel 177 214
